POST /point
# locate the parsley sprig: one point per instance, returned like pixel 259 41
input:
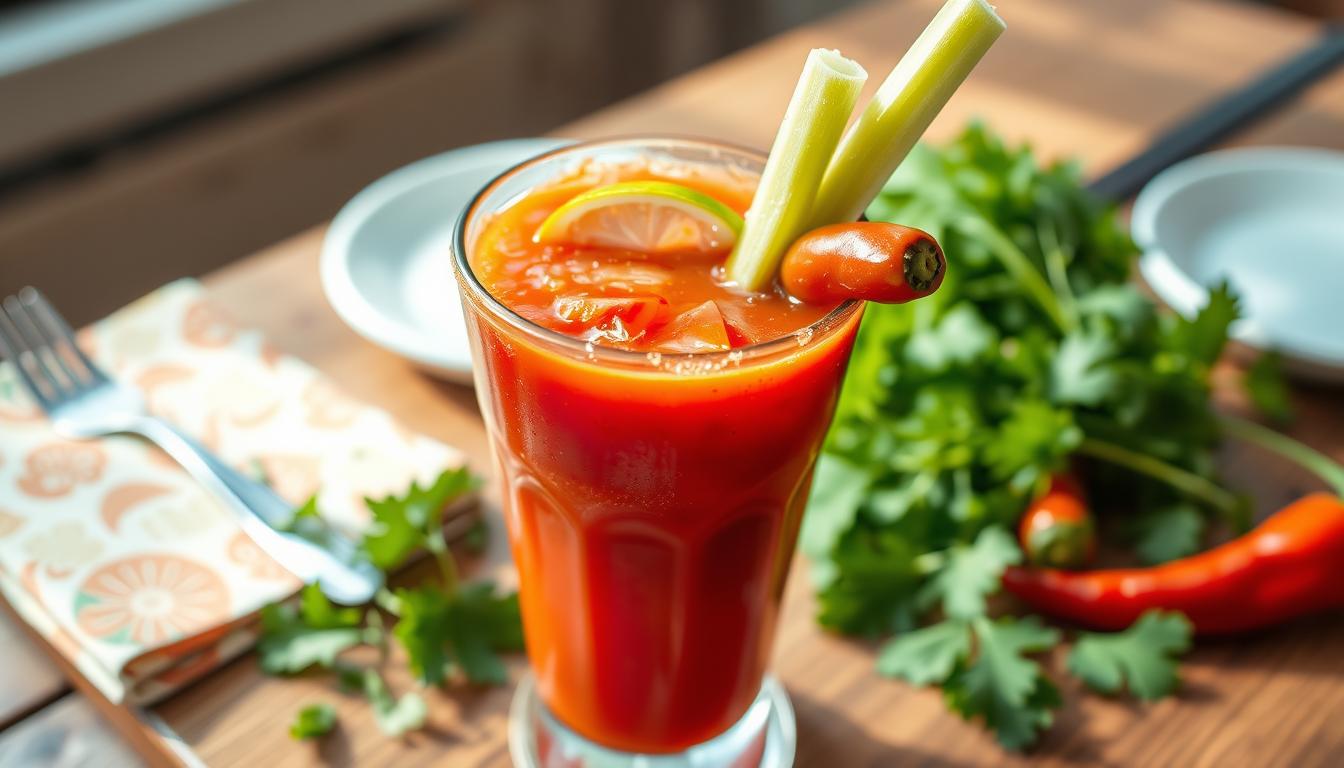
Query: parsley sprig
pixel 448 630
pixel 1037 355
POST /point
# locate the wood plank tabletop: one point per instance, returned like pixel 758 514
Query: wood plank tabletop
pixel 28 679
pixel 1091 79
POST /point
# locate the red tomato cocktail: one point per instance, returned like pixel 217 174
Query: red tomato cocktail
pixel 655 432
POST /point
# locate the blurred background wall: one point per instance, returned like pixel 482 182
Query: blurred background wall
pixel 143 140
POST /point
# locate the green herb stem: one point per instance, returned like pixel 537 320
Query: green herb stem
pixel 1058 272
pixel 927 563
pixel 387 600
pixel 447 566
pixel 1017 264
pixel 1184 480
pixel 1309 458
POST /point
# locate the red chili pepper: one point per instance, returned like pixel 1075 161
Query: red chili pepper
pixel 868 260
pixel 1291 565
pixel 1057 530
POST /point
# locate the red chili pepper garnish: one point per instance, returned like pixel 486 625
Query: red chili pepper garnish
pixel 1291 565
pixel 868 260
pixel 1057 529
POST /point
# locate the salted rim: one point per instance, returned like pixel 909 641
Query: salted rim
pixel 591 352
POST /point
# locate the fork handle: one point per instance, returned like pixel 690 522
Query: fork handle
pixel 257 508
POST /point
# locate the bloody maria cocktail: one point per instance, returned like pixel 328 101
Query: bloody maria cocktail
pixel 653 486
pixel 657 373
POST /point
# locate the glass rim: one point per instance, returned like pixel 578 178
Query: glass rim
pixel 596 353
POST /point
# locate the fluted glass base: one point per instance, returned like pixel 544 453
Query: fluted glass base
pixel 765 737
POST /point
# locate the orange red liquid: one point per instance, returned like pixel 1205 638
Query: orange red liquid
pixel 627 299
pixel 652 506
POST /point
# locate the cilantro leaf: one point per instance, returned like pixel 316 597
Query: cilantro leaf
pixel 307 522
pixel 872 586
pixel 972 572
pixel 296 648
pixel 477 537
pixel 306 512
pixel 838 490
pixel 313 721
pixel 1121 304
pixel 402 525
pixel 466 629
pixel 391 537
pixel 927 655
pixel 1079 373
pixel 394 716
pixel 960 337
pixel 484 623
pixel 494 615
pixel 1267 389
pixel 442 626
pixel 1202 337
pixel 1036 348
pixel 314 634
pixel 319 613
pixel 1034 440
pixel 1167 533
pixel 1015 727
pixel 1140 658
pixel 423 631
pixel 1001 685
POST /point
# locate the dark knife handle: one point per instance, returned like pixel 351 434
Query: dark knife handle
pixel 1220 119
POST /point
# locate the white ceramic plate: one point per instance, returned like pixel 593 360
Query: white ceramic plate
pixel 1269 220
pixel 387 265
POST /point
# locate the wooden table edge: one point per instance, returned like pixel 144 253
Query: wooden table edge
pixel 151 739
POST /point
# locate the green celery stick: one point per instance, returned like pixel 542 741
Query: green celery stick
pixel 816 117
pixel 903 107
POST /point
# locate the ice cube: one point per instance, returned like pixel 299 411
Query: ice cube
pixel 611 318
pixel 740 331
pixel 700 329
pixel 630 276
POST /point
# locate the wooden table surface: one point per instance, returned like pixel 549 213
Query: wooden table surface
pixel 1093 79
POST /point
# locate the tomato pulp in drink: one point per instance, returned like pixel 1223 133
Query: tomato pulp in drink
pixel 653 497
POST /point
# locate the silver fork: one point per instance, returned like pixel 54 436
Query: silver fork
pixel 83 402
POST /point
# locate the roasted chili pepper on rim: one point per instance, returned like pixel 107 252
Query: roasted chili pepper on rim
pixel 1057 530
pixel 868 260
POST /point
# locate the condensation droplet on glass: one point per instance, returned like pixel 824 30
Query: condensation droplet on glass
pixel 804 337
pixel 655 358
pixel 735 357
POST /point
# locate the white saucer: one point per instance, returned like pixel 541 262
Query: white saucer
pixel 387 265
pixel 1269 220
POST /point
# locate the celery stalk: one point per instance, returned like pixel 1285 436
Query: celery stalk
pixel 816 117
pixel 903 107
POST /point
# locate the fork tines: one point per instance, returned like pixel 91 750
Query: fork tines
pixel 40 344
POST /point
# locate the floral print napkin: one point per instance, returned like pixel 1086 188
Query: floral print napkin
pixel 139 577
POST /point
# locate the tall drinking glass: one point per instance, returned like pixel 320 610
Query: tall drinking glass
pixel 652 502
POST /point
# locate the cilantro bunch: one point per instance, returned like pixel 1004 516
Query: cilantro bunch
pixel 447 629
pixel 1036 356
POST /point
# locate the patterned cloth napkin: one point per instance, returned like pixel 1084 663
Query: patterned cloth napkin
pixel 138 576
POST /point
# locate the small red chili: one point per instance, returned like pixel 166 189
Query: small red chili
pixel 1291 565
pixel 1057 530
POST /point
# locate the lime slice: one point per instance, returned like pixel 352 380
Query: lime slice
pixel 646 216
